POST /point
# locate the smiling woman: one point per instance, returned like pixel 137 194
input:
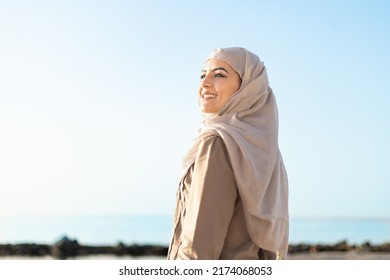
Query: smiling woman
pixel 232 200
pixel 219 81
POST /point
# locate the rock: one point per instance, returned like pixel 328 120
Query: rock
pixel 65 248
pixel 120 249
pixel 385 247
pixel 341 246
pixel 24 249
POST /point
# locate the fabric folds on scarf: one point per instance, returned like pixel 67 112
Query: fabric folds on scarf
pixel 248 125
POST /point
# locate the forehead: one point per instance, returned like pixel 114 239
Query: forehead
pixel 213 63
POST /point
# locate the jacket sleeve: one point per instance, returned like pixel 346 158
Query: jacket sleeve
pixel 211 201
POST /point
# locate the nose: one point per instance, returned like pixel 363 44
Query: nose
pixel 206 82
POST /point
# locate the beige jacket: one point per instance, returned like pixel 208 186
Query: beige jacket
pixel 209 222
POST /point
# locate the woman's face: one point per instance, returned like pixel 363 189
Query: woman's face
pixel 218 82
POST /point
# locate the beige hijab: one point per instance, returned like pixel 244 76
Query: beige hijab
pixel 248 125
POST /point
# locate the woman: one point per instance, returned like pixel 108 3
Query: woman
pixel 232 201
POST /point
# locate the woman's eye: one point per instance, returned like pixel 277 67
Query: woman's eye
pixel 219 75
pixel 202 77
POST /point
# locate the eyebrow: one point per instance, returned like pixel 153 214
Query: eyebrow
pixel 216 69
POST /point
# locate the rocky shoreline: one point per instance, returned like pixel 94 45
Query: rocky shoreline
pixel 342 246
pixel 69 249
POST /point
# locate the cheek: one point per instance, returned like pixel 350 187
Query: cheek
pixel 230 90
pixel 236 85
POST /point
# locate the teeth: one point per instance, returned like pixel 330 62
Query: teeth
pixel 208 96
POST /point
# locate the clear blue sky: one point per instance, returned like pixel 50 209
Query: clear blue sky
pixel 98 100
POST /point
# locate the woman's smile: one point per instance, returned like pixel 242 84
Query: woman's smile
pixel 207 96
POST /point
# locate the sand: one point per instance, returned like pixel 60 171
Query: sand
pixel 350 255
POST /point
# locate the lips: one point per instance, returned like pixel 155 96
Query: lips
pixel 208 96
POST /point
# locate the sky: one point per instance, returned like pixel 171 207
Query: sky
pixel 98 100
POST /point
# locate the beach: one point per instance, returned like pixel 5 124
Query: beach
pixel 71 250
pixel 296 256
pixel 352 255
pixel 67 248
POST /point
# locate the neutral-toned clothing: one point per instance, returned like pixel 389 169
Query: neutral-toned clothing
pixel 233 193
pixel 209 221
pixel 248 125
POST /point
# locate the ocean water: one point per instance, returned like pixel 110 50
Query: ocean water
pixel 144 229
pixel 332 230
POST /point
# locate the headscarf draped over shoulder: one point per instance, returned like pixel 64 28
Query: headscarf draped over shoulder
pixel 248 125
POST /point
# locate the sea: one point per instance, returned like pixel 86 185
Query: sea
pixel 157 230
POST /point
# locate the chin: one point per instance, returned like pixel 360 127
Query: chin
pixel 208 109
pixel 203 110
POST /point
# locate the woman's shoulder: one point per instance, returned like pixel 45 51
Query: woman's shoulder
pixel 213 150
pixel 212 145
pixel 212 139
